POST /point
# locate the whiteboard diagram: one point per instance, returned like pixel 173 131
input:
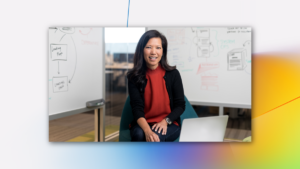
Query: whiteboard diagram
pixel 59 54
pixel 60 84
pixel 75 75
pixel 58 51
pixel 214 62
pixel 202 41
pixel 237 59
pixel 205 48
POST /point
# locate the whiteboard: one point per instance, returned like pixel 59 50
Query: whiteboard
pixel 214 63
pixel 76 67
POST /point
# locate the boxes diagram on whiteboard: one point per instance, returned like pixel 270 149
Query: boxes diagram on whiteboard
pixel 75 67
pixel 60 84
pixel 59 53
pixel 202 41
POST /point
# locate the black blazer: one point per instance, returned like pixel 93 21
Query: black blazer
pixel 176 95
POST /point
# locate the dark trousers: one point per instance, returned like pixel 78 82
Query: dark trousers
pixel 173 132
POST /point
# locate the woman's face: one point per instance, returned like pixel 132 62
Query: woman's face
pixel 153 52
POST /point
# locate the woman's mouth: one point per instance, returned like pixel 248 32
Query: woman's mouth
pixel 152 58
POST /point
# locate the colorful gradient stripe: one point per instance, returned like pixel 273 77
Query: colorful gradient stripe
pixel 276 114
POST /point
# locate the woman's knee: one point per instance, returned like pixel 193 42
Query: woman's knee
pixel 162 138
pixel 137 134
pixel 174 132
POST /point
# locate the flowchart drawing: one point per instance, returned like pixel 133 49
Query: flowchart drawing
pixel 75 62
pixel 236 59
pixel 58 51
pixel 60 84
pixel 202 41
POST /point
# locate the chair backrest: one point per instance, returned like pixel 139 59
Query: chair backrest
pixel 127 117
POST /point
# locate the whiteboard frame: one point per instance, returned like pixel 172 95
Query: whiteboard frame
pixel 221 105
pixel 72 112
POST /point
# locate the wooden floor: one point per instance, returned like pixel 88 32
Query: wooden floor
pixel 64 129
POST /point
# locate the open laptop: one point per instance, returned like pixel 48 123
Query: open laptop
pixel 205 129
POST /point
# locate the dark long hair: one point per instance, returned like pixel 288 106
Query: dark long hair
pixel 138 73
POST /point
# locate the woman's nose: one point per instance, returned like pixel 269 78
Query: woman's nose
pixel 153 51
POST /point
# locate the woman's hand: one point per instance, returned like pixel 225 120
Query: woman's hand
pixel 161 126
pixel 151 136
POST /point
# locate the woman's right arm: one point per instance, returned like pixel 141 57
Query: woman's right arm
pixel 137 106
pixel 136 101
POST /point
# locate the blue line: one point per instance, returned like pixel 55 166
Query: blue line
pixel 128 12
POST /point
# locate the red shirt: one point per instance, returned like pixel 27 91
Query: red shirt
pixel 157 102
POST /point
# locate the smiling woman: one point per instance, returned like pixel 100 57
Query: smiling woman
pixel 153 52
pixel 155 90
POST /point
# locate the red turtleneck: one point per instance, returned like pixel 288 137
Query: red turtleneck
pixel 157 102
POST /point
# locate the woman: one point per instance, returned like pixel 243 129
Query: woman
pixel 155 90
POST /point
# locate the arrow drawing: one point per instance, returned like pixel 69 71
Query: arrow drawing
pixel 248 41
pixel 249 73
pixel 216 34
pixel 58 66
pixel 213 48
pixel 75 61
pixel 193 29
pixel 62 37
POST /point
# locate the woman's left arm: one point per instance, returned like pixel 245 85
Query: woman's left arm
pixel 178 103
pixel 178 97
